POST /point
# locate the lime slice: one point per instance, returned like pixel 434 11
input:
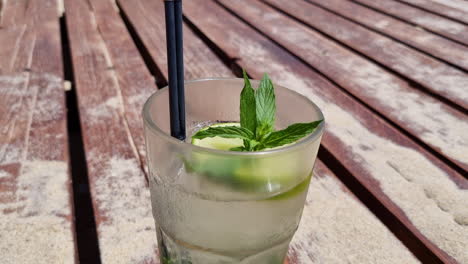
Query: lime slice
pixel 219 142
pixel 251 174
pixel 300 188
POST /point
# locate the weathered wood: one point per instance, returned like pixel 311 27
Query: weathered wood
pixel 32 12
pixel 435 45
pixel 147 17
pixel 10 39
pixel 461 5
pixel 457 10
pixel 35 184
pixel 109 93
pixel 438 125
pixel 2 4
pixel 436 76
pixel 457 4
pixel 133 76
pixel 414 185
pixel 443 26
pixel 324 186
pixel 337 228
pixel 12 11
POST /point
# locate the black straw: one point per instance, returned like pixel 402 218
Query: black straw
pixel 180 63
pixel 175 64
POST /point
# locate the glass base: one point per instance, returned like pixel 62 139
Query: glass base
pixel 173 251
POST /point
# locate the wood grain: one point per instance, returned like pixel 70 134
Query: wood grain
pixel 133 76
pixel 436 76
pixel 112 83
pixel 414 36
pixel 12 11
pixel 35 183
pixel 392 167
pixel 147 17
pixel 330 221
pixel 449 8
pixel 443 26
pixel 434 123
pixel 10 39
pixel 32 12
pixel 98 147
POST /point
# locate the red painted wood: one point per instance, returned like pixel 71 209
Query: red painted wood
pixel 457 10
pixel 147 17
pixel 414 36
pixel 19 12
pixel 36 206
pixel 388 94
pixel 443 26
pixel 373 151
pixel 436 76
pixel 112 83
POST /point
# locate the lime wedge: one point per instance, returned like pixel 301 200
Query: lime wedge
pixel 219 142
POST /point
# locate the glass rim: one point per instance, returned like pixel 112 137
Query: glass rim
pixel 148 120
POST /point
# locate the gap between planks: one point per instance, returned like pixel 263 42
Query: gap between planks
pixel 41 212
pixel 378 209
pixel 433 45
pixel 436 24
pixel 120 195
pixel 409 108
pixel 405 255
pixel 85 225
pixel 147 20
pixel 444 8
pixel 211 24
pixel 422 72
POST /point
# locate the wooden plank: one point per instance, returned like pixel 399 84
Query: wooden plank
pixel 456 10
pixel 35 183
pixel 457 4
pixel 2 4
pixel 133 76
pixel 119 190
pixel 436 76
pixel 12 11
pixel 411 183
pixel 333 218
pixel 147 17
pixel 10 39
pixel 435 45
pixel 443 26
pixel 124 90
pixel 433 122
pixel 361 230
pixel 130 68
pixel 33 12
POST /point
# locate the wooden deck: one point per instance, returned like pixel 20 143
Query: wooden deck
pixel 391 77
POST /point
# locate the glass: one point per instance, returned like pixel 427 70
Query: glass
pixel 214 206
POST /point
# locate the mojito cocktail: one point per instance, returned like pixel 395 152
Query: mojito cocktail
pixel 222 197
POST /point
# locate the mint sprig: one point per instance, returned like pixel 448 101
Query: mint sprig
pixel 257 120
pixel 265 104
pixel 248 116
pixel 225 132
pixel 290 134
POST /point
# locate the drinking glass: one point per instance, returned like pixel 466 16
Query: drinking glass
pixel 214 206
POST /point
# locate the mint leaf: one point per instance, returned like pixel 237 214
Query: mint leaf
pixel 253 144
pixel 249 145
pixel 248 117
pixel 237 149
pixel 225 132
pixel 257 120
pixel 265 108
pixel 290 134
